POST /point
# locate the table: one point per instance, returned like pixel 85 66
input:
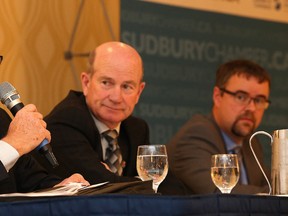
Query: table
pixel 117 204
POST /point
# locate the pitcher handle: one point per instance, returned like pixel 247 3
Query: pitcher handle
pixel 250 143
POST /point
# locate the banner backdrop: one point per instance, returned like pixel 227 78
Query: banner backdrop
pixel 271 10
pixel 181 50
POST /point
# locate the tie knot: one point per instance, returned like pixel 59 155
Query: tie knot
pixel 110 135
pixel 237 150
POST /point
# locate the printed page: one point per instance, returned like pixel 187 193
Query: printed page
pixel 67 190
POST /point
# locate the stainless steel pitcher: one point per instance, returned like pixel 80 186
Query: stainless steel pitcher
pixel 279 161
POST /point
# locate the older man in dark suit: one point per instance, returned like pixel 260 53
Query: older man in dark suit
pixel 112 86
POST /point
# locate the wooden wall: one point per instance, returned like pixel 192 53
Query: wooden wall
pixel 34 36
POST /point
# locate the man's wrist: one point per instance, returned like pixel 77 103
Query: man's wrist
pixel 8 155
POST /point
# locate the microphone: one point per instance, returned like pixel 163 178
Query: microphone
pixel 11 99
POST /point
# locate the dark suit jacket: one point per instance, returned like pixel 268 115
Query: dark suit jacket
pixel 26 175
pixel 77 146
pixel 189 154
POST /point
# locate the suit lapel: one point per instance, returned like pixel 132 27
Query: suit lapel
pixel 251 165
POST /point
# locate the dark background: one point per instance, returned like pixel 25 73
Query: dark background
pixel 182 48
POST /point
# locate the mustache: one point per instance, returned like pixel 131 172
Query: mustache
pixel 247 114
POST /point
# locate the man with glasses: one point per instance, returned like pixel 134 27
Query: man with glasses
pixel 240 97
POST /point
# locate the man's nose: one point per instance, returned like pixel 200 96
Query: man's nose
pixel 251 105
pixel 116 94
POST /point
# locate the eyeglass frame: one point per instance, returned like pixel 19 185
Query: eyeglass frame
pixel 248 98
pixel 1 58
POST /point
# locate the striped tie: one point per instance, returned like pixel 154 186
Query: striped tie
pixel 113 153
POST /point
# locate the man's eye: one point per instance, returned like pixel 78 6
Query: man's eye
pixel 105 82
pixel 128 88
pixel 241 97
pixel 259 100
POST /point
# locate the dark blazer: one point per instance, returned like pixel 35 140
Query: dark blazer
pixel 77 146
pixel 26 175
pixel 189 154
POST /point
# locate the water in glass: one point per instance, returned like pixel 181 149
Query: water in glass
pixel 152 164
pixel 225 171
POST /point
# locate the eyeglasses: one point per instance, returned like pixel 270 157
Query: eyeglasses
pixel 243 98
pixel 1 58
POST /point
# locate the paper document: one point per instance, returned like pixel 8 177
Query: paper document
pixel 67 190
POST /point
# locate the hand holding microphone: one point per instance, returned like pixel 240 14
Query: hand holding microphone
pixel 27 130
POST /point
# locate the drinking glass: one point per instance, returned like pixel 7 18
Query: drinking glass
pixel 152 163
pixel 225 171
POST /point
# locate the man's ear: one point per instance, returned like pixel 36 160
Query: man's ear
pixel 141 88
pixel 85 80
pixel 217 96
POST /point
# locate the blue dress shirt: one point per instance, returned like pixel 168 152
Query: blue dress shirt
pixel 231 146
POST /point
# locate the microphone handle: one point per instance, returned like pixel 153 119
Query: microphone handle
pixel 45 149
pixel 16 108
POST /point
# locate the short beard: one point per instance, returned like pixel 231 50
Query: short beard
pixel 236 128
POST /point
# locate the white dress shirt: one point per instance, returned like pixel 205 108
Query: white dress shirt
pixel 8 155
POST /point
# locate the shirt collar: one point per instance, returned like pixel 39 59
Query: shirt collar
pixel 230 144
pixel 102 127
